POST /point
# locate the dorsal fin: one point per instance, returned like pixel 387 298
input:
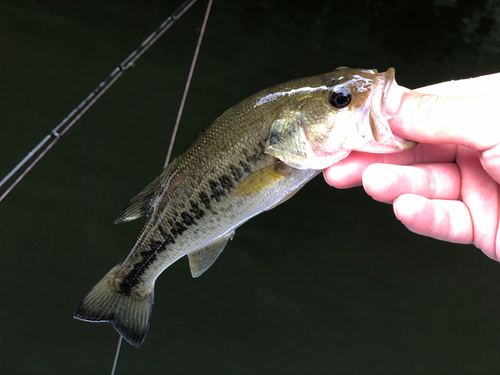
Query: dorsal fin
pixel 138 205
pixel 141 205
pixel 201 260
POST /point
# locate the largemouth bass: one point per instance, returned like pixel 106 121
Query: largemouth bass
pixel 253 157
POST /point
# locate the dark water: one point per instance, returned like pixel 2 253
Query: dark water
pixel 328 283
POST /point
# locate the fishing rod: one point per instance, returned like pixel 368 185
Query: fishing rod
pixel 44 146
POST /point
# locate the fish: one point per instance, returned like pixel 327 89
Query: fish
pixel 252 158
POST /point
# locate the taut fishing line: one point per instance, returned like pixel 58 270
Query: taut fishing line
pixel 174 132
pixel 75 115
pixel 188 82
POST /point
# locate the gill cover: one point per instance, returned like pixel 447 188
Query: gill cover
pixel 291 141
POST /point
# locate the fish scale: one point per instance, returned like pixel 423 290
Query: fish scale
pixel 253 157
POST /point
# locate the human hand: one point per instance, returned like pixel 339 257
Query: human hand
pixel 447 187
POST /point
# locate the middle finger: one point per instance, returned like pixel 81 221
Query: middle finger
pixel 385 182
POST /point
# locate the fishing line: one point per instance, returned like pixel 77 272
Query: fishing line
pixel 75 115
pixel 174 132
pixel 116 355
pixel 188 82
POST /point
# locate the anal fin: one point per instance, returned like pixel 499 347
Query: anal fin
pixel 202 259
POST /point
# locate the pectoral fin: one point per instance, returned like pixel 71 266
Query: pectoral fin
pixel 260 180
pixel 201 260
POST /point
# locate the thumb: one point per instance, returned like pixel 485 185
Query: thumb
pixel 433 118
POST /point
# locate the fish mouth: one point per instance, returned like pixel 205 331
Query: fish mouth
pixel 382 139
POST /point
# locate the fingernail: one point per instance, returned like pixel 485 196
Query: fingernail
pixel 395 208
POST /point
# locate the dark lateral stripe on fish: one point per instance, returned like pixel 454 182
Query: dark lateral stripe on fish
pixel 217 191
pixel 133 277
pixel 249 157
pixel 187 218
pixel 226 183
pixel 169 238
pixel 246 167
pixel 178 229
pixel 222 187
pixel 156 247
pixel 205 199
pixel 196 210
pixel 219 188
pixel 253 157
pixel 236 172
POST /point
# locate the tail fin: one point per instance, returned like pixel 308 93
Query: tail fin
pixel 129 313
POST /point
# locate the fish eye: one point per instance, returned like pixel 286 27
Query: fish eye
pixel 339 99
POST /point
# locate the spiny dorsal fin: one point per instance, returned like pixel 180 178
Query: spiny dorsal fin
pixel 141 204
pixel 201 260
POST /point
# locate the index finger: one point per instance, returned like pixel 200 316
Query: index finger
pixel 347 172
pixel 430 118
